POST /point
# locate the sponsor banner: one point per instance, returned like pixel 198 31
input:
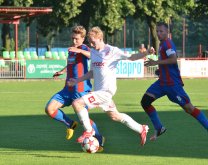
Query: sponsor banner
pixel 44 68
pixel 130 69
pixel 194 68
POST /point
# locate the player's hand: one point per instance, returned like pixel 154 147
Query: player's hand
pixel 55 75
pixel 157 72
pixel 74 49
pixel 150 62
pixel 71 82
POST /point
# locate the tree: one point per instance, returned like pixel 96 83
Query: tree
pixel 108 14
pixel 199 17
pixel 62 16
pixel 154 11
pixel 112 14
pixel 6 31
pixel 201 9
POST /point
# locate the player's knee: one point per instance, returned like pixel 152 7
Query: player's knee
pixel 115 117
pixel 77 104
pixel 49 110
pixel 146 101
pixel 188 108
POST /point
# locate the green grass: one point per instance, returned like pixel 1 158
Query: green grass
pixel 28 136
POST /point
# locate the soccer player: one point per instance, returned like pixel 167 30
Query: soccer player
pixel 77 66
pixel 104 59
pixel 169 84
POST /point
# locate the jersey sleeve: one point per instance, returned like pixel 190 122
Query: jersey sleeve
pixel 170 48
pixel 86 48
pixel 170 52
pixel 119 54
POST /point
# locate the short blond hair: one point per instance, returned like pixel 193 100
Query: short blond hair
pixel 79 30
pixel 96 32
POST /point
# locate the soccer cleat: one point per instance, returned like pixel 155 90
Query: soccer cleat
pixel 158 133
pixel 143 134
pixel 70 130
pixel 84 135
pixel 101 147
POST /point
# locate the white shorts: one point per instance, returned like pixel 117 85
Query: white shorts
pixel 100 99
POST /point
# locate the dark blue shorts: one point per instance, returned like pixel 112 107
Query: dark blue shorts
pixel 66 98
pixel 175 93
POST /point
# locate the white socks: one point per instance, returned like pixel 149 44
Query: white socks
pixel 127 120
pixel 85 120
pixel 132 124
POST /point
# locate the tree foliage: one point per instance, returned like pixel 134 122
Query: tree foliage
pixel 161 10
pixel 112 13
pixel 108 14
pixel 16 3
pixel 201 9
pixel 63 12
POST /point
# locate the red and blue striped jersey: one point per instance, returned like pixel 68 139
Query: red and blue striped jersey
pixel 77 66
pixel 169 73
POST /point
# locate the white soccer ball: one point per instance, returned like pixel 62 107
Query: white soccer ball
pixel 90 145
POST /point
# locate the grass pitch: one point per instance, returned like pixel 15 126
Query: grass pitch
pixel 28 136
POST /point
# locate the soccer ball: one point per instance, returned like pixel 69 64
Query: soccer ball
pixel 90 145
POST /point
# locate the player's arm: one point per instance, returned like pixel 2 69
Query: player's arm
pixel 137 56
pixel 77 50
pixel 86 76
pixel 59 72
pixel 172 59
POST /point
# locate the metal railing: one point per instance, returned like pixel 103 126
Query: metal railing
pixel 16 69
pixel 12 69
pixel 149 72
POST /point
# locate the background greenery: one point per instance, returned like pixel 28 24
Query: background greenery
pixel 140 17
pixel 28 136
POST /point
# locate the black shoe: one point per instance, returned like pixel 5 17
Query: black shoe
pixel 158 133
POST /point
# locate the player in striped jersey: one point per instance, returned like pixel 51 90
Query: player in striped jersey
pixel 169 84
pixel 77 66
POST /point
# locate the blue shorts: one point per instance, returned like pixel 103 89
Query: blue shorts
pixel 175 93
pixel 66 98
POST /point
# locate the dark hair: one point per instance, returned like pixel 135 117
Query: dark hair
pixel 162 24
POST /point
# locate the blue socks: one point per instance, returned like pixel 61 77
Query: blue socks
pixel 200 117
pixel 154 117
pixel 59 115
pixel 97 133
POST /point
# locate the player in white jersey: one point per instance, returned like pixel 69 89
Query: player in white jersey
pixel 104 59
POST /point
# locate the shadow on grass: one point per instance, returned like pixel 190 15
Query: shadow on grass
pixel 184 138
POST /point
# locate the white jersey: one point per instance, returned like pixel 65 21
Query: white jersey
pixel 103 65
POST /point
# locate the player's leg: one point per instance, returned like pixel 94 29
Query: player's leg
pixel 100 138
pixel 197 114
pixel 153 92
pixel 179 96
pixel 82 113
pixel 53 110
pixel 127 121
